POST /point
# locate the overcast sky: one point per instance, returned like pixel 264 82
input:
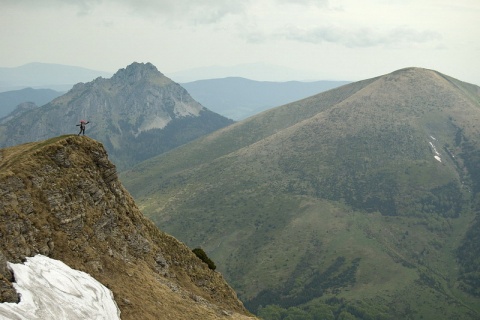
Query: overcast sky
pixel 310 39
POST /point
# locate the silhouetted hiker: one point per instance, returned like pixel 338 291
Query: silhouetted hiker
pixel 82 125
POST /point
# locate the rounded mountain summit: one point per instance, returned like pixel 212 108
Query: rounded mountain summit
pixel 360 202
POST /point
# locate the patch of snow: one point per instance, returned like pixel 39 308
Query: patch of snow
pixel 437 154
pixel 49 289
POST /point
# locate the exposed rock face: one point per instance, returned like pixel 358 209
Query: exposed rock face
pixel 7 293
pixel 136 114
pixel 21 108
pixel 61 198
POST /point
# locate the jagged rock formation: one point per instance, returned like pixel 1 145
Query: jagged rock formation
pixel 61 198
pixel 136 114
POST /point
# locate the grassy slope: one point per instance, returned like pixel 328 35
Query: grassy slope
pixel 237 136
pixel 276 199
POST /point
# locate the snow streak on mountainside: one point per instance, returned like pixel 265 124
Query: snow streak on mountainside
pixel 49 289
pixel 434 149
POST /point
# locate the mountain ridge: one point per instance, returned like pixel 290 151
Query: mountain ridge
pixel 46 75
pixel 137 113
pixel 238 98
pixel 61 198
pixel 11 99
pixel 350 200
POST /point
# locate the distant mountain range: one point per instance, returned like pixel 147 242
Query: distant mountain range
pixel 233 97
pixel 360 202
pixel 46 75
pixel 239 98
pixel 10 99
pixel 137 113
pixel 254 71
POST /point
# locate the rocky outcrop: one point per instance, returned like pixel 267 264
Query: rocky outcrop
pixel 61 198
pixel 7 292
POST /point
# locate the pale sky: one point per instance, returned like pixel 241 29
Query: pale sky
pixel 316 39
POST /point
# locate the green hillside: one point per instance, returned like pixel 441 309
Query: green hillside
pixel 358 202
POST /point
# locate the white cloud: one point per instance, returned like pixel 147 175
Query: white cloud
pixel 82 7
pixel 359 37
pixel 196 12
pixel 353 39
pixel 320 3
pixel 205 11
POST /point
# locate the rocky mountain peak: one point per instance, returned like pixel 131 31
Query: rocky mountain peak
pixel 61 198
pixel 136 72
pixel 136 114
